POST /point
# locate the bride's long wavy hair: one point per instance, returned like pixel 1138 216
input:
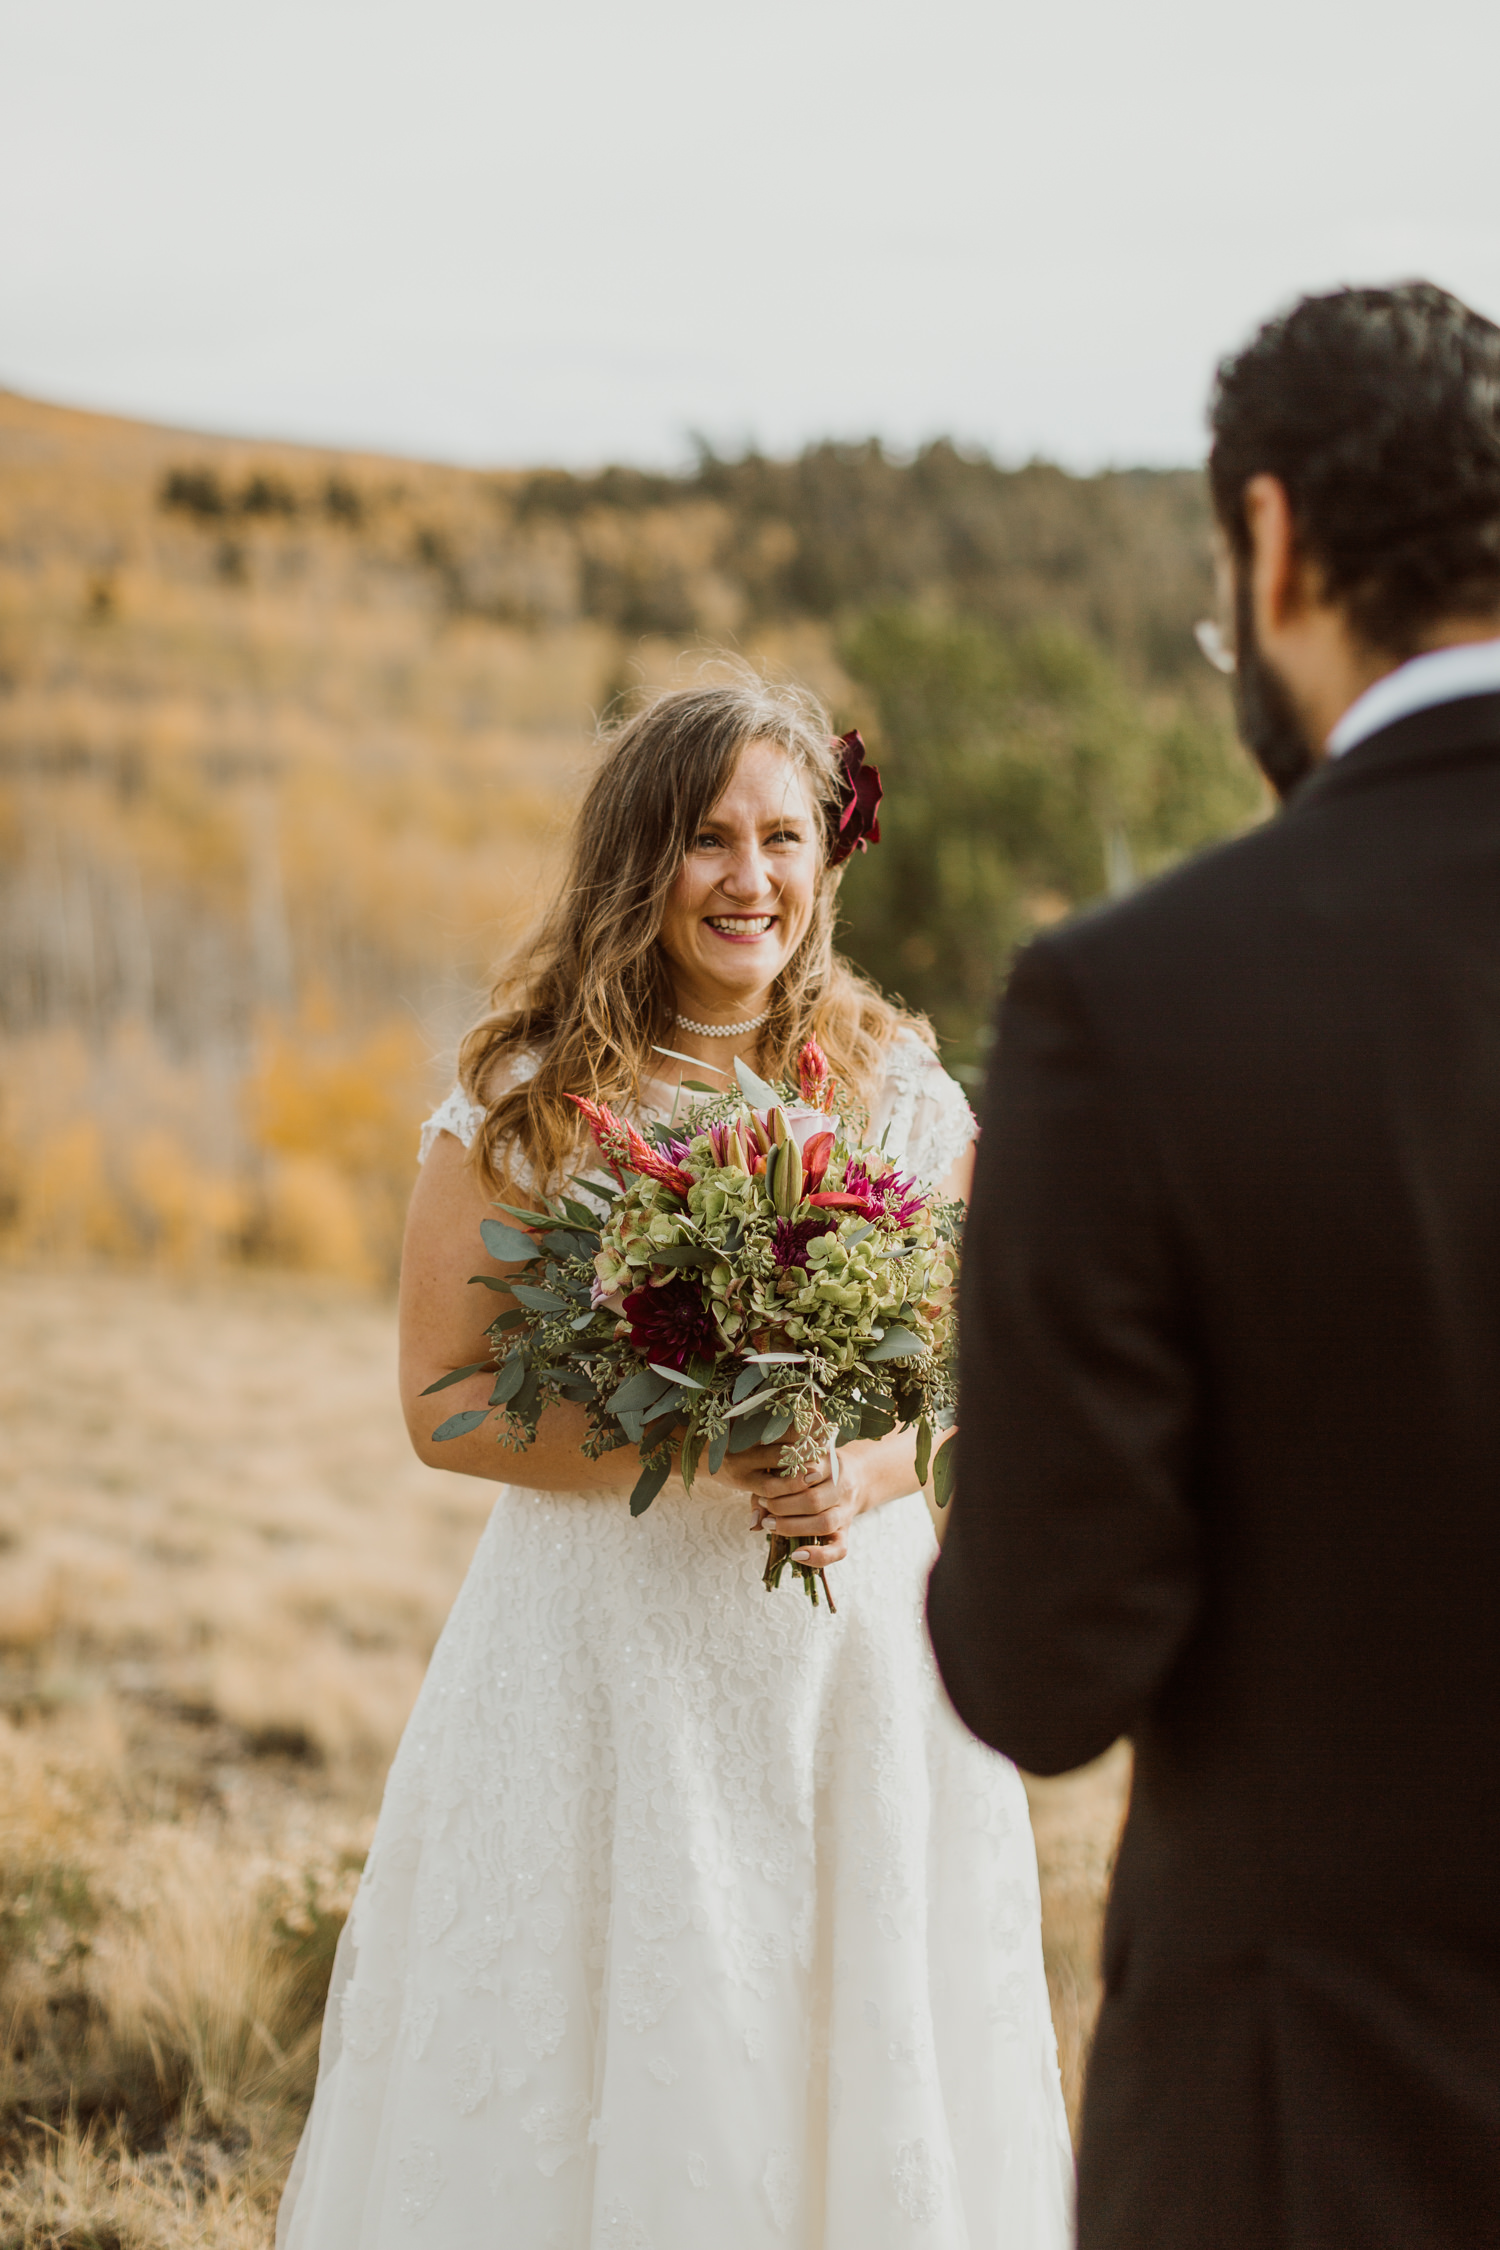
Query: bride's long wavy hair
pixel 590 996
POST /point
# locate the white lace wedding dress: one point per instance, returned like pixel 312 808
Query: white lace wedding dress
pixel 694 1919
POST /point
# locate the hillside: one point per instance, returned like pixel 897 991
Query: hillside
pixel 287 738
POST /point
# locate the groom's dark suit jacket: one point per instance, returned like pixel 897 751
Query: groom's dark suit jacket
pixel 1229 1483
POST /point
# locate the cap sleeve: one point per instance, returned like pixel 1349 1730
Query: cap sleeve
pixel 462 1117
pixel 458 1116
pixel 922 1110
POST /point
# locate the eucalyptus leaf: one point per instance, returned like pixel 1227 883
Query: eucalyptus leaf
pixel 459 1425
pixel 459 1375
pixel 896 1343
pixel 675 1375
pixel 716 1453
pixel 697 1086
pixel 942 1472
pixel 673 1055
pixel 874 1422
pixel 567 1245
pixel 632 1423
pixel 747 1433
pixel 668 1408
pixel 509 1380
pixel 647 1486
pixel 507 1242
pixel 776 1427
pixel 744 1408
pixel 538 1300
pixel 532 1218
pixel 490 1281
pixel 580 1214
pixel 745 1382
pixel 755 1090
pixel 583 1320
pixel 692 1445
pixel 638 1391
pixel 776 1359
pixel 924 1449
pixel 513 1317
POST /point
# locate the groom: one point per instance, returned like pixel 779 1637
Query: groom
pixel 1229 1466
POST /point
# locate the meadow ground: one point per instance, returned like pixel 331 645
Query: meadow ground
pixel 221 1574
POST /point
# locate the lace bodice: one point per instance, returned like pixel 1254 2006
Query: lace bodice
pixel 920 1109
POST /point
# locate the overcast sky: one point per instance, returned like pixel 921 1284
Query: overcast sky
pixel 578 230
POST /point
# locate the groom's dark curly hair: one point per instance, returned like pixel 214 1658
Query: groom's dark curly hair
pixel 1379 410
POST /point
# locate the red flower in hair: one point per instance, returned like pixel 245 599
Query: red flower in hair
pixel 857 825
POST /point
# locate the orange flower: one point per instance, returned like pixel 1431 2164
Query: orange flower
pixel 814 1078
pixel 625 1150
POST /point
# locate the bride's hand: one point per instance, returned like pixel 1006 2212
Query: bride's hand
pixel 814 1506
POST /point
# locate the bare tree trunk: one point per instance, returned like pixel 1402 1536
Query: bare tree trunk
pixel 270 935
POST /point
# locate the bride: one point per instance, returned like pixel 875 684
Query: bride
pixel 694 1918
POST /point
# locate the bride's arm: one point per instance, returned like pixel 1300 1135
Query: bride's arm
pixel 443 1322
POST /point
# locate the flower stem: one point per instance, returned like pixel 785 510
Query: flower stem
pixel 778 1555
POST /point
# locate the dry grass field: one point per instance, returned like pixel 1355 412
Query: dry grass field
pixel 221 1574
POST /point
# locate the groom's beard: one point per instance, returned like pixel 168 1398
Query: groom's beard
pixel 1269 726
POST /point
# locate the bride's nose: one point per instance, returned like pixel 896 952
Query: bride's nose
pixel 747 879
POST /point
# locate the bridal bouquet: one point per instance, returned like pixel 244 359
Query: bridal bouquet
pixel 753 1276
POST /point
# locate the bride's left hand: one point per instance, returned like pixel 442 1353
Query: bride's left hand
pixel 809 1507
pixel 822 1505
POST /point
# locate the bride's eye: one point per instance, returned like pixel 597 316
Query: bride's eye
pixel 705 841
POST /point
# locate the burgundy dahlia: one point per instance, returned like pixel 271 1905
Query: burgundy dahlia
pixel 672 1325
pixel 792 1236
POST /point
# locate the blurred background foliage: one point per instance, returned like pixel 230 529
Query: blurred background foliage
pixel 288 740
pixel 1026 777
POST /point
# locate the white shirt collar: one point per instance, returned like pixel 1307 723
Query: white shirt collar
pixel 1442 676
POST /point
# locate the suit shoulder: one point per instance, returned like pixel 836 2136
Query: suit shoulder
pixel 1214 897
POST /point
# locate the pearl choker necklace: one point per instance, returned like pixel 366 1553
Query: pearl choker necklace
pixel 723 1030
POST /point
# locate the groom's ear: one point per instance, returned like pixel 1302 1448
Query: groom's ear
pixel 1284 584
